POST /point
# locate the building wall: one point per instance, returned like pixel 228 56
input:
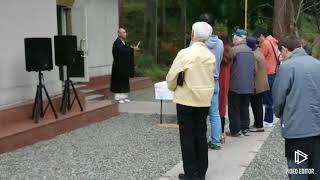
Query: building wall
pixel 20 19
pixel 103 22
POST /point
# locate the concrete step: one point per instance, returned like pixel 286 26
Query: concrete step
pixel 101 85
pixel 94 97
pixel 16 134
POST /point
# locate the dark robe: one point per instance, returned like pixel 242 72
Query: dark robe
pixel 122 67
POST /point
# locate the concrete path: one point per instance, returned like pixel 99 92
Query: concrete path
pixel 148 107
pixel 227 164
pixel 231 162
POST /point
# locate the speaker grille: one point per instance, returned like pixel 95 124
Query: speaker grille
pixel 38 54
pixel 65 50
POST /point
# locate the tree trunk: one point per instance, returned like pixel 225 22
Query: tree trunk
pixel 151 27
pixel 163 18
pixel 120 12
pixel 281 18
pixel 183 21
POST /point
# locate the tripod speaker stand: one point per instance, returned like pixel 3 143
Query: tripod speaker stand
pixel 38 110
pixel 66 103
pixel 66 54
pixel 38 52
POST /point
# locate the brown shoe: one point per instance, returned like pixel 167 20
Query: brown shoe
pixel 223 138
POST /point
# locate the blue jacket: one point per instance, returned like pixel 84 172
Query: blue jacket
pixel 215 45
pixel 296 95
pixel 242 80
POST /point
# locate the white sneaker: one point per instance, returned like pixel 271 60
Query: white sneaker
pixel 121 101
pixel 127 100
pixel 267 125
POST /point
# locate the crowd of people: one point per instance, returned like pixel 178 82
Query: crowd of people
pixel 213 77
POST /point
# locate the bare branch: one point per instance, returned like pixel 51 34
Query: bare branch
pixel 299 11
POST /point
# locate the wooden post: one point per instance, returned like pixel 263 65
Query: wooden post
pixel 246 16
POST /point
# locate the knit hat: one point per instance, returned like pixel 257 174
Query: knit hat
pixel 252 43
pixel 240 33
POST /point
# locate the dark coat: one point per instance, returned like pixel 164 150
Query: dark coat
pixel 122 67
pixel 242 70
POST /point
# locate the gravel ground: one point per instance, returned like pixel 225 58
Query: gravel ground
pixel 269 163
pixel 127 147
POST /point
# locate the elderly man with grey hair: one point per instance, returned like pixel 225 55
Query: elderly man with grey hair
pixel 191 79
pixel 242 85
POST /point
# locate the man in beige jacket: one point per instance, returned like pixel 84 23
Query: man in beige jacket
pixel 191 79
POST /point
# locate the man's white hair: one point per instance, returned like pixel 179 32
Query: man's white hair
pixel 121 30
pixel 239 40
pixel 201 31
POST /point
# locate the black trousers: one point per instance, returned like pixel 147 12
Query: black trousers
pixel 238 111
pixel 193 128
pixel 257 109
pixel 309 146
pixel 223 123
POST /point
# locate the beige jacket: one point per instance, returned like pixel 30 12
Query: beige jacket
pixel 198 65
pixel 262 84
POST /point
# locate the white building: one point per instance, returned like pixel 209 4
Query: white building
pixel 94 20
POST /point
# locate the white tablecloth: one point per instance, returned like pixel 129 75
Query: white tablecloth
pixel 162 92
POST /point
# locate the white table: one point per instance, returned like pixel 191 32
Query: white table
pixel 162 93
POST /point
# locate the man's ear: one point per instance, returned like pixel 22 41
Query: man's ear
pixel 192 36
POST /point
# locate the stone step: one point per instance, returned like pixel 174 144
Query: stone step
pixel 94 97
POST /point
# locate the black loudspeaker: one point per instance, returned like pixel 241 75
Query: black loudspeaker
pixel 65 50
pixel 38 53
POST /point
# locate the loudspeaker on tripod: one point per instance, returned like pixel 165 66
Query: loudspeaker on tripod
pixel 38 54
pixel 66 55
pixel 65 50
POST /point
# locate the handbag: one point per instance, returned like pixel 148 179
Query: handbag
pixel 180 79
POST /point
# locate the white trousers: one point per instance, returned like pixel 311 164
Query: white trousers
pixel 120 96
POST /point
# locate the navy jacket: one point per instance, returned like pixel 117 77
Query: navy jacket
pixel 296 96
pixel 242 80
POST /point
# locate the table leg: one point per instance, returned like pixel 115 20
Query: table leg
pixel 161 112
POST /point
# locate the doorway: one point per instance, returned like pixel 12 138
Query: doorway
pixel 73 21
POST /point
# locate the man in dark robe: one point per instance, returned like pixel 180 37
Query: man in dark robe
pixel 122 67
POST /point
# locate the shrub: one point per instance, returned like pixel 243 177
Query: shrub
pixel 146 66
